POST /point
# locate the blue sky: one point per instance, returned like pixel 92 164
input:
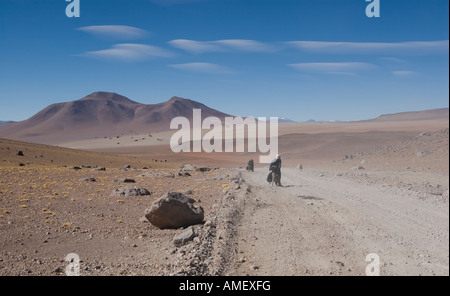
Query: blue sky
pixel 300 59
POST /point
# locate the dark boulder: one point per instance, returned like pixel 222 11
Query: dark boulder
pixel 174 210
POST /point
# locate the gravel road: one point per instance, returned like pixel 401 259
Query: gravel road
pixel 327 224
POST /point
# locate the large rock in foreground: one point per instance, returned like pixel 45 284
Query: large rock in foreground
pixel 174 210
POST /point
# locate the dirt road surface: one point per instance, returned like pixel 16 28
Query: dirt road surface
pixel 326 223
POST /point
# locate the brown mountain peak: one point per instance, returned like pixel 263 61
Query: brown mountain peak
pixel 101 114
pixel 175 100
pixel 107 96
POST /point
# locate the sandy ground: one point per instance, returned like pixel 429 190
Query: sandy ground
pixel 299 143
pixel 364 188
pixel 47 211
pixel 43 219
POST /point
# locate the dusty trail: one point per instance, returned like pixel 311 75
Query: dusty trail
pixel 326 225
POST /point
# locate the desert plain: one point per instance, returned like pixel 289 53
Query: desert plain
pixel 350 189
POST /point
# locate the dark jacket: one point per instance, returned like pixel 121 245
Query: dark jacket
pixel 275 164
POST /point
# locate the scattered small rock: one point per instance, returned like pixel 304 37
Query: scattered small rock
pixel 130 191
pixel 358 167
pixel 88 180
pixel 182 173
pixel 143 219
pixel 188 167
pixel 183 238
pixel 220 177
pixel 169 175
pixel 124 181
pixel 209 224
pixel 422 153
pixel 99 169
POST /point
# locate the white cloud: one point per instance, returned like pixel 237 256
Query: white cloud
pixel 404 73
pixel 202 68
pixel 349 68
pixel 227 45
pixel 246 45
pixel 326 47
pixel 117 32
pixel 193 46
pixel 392 60
pixel 419 47
pixel 129 52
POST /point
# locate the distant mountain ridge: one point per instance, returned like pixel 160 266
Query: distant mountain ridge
pixel 415 115
pixel 107 114
pixel 322 121
pixel 101 114
pixel 440 113
pixel 3 122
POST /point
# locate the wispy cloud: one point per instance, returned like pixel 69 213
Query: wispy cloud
pixel 246 45
pixel 227 45
pixel 392 60
pixel 116 32
pixel 419 47
pixel 193 46
pixel 325 47
pixel 404 73
pixel 209 68
pixel 129 52
pixel 349 68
